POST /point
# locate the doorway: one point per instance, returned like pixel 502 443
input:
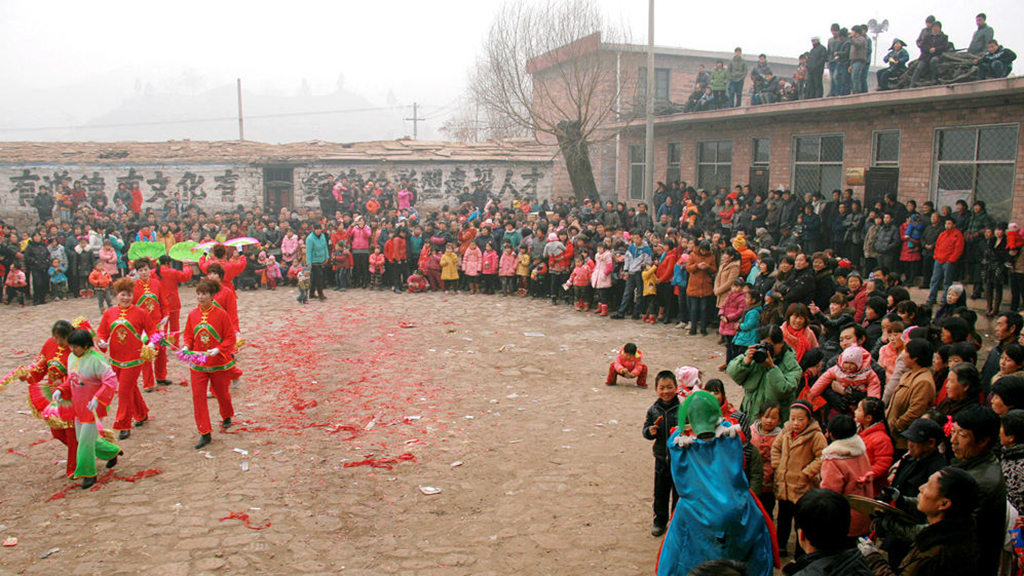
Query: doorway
pixel 278 189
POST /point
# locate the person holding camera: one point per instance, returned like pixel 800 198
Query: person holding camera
pixel 767 371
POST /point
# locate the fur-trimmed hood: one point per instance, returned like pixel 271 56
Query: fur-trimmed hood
pixel 847 448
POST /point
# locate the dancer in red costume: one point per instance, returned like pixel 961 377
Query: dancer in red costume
pixel 227 300
pixel 43 377
pixel 121 331
pixel 230 267
pixel 148 295
pixel 169 279
pixel 210 330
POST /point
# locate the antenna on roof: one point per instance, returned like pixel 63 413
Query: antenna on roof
pixel 875 28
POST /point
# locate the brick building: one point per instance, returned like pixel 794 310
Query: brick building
pixel 939 143
pixel 223 175
pixel 624 73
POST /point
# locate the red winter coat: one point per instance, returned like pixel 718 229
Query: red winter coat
pixel 949 246
pixel 845 469
pixel 879 450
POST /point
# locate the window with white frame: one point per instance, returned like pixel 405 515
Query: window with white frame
pixel 885 148
pixel 714 164
pixel 636 172
pixel 976 163
pixel 673 172
pixel 817 164
pixel 760 152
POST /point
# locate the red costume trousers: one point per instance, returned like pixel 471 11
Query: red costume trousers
pixel 130 405
pixel 155 370
pixel 641 379
pixel 220 383
pixel 68 438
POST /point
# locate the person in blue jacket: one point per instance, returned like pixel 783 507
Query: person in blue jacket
pixel 717 517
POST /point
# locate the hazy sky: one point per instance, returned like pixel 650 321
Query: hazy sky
pixel 417 51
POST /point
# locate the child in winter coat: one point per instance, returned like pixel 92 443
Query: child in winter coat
pixel 750 323
pixel 418 282
pixel 796 458
pixel 601 277
pixel 580 281
pixel 100 281
pixel 839 315
pixel 376 269
pixel 450 269
pixel 472 262
pixel 846 469
pixel 303 282
pixel 58 280
pixel 650 279
pixel 733 308
pixel 432 266
pixel 889 355
pixel 851 379
pixel 523 272
pixel 628 364
pixel 507 270
pixel 763 433
pixel 539 278
pixel 874 431
pixel 16 284
pixel 661 419
pixel 274 272
pixel 343 263
pixel 489 269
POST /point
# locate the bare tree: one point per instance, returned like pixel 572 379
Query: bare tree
pixel 543 69
pixel 471 122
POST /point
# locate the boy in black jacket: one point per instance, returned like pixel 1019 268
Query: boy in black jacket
pixel 661 419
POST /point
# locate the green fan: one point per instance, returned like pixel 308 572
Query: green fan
pixel 185 252
pixel 146 250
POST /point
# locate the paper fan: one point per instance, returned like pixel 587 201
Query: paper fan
pixel 205 246
pixel 146 250
pixel 241 241
pixel 185 251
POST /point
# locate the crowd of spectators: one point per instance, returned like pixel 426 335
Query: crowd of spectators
pixel 848 55
pixel 797 288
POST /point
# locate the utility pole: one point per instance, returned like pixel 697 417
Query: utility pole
pixel 649 145
pixel 415 122
pixel 241 122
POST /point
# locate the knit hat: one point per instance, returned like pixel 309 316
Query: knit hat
pixel 853 354
pixel 553 237
pixel 739 242
pixel 702 411
pixel 688 377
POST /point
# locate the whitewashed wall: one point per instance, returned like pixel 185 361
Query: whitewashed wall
pixel 217 186
pixel 438 183
pixel 225 186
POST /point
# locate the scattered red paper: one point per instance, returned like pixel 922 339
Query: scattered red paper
pixel 17 452
pixel 382 462
pixel 304 404
pixel 245 520
pixel 105 479
pixel 40 441
pixel 406 325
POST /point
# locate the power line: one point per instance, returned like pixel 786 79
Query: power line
pixel 198 120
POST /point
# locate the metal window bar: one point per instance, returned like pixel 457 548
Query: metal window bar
pixel 976 163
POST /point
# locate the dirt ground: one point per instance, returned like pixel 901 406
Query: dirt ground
pixel 348 411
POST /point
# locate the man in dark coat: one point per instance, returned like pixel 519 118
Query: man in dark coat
pixel 815 68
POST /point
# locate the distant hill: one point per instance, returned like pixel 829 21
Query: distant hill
pixel 153 115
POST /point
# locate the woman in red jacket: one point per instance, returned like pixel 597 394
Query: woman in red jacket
pixel 210 330
pixel 121 332
pixel 169 279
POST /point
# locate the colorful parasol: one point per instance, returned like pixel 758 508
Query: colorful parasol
pixel 146 250
pixel 206 246
pixel 241 241
pixel 187 251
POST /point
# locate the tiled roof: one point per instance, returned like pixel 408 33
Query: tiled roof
pixel 235 152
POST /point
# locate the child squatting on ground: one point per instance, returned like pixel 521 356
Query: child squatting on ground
pixel 628 364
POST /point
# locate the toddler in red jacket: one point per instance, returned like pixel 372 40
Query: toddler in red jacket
pixel 628 364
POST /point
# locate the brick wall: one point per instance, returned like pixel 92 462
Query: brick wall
pixel 917 122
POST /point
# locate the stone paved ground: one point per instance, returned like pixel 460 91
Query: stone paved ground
pixel 542 469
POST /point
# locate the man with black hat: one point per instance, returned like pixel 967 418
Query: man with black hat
pixel 897 59
pixel 921 461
